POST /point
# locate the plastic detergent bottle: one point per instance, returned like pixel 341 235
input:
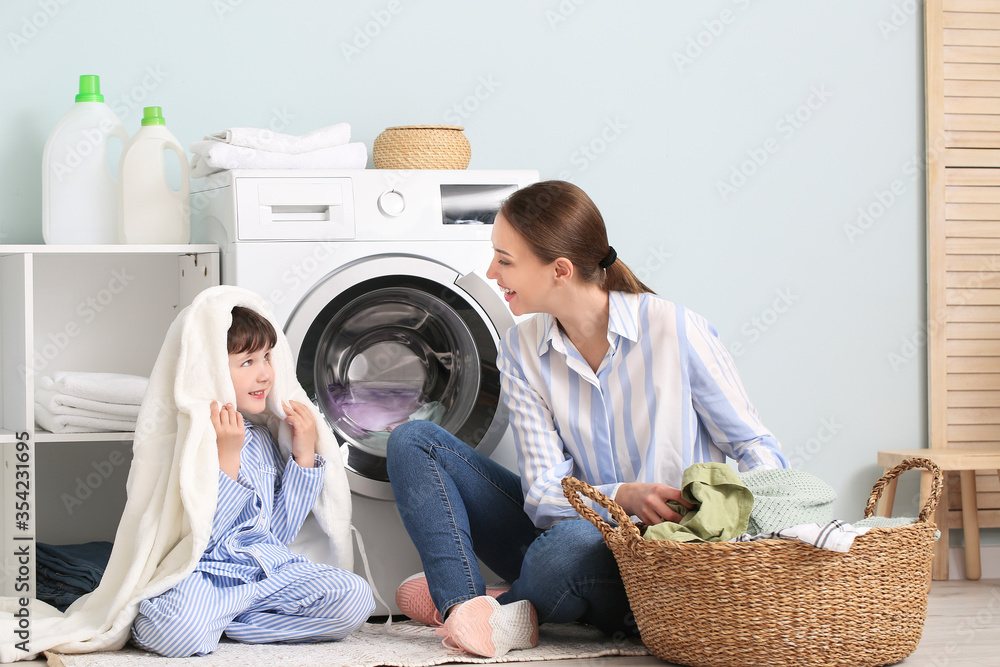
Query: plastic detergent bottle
pixel 79 187
pixel 151 210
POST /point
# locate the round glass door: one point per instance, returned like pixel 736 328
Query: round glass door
pixel 392 349
pixel 392 355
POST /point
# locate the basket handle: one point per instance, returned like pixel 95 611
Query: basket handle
pixel 573 488
pixel 937 484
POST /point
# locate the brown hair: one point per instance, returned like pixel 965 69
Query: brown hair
pixel 558 219
pixel 249 332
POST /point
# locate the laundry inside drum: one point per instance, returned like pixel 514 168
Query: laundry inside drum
pixel 391 356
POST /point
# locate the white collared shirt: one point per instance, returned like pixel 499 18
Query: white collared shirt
pixel 666 395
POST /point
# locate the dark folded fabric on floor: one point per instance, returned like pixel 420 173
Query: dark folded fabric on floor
pixel 65 572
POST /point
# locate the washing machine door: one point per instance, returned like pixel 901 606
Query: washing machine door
pixel 391 338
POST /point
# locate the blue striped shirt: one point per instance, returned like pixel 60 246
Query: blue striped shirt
pixel 261 511
pixel 666 395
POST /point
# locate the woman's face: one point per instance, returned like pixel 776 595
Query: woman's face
pixel 525 280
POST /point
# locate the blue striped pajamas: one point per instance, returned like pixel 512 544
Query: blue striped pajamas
pixel 247 584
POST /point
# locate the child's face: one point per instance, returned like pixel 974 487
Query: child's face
pixel 252 378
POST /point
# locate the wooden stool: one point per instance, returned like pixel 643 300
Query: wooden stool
pixel 966 462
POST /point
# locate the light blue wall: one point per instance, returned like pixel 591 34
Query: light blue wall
pixel 650 106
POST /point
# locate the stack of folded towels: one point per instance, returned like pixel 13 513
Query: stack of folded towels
pixel 256 148
pixel 71 402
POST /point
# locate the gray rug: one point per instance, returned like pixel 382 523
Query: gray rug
pixel 403 645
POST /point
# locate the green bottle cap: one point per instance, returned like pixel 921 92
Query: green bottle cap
pixel 152 116
pixel 90 89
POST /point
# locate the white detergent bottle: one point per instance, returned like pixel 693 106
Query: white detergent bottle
pixel 79 187
pixel 151 210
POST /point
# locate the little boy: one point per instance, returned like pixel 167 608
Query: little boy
pixel 247 583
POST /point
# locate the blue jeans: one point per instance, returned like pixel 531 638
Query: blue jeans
pixel 458 505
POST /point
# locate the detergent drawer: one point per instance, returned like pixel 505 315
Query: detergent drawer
pixel 296 208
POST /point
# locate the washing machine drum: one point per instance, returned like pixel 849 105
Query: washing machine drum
pixel 394 349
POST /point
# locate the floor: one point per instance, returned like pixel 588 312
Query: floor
pixel 962 630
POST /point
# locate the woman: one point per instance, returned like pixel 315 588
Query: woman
pixel 608 383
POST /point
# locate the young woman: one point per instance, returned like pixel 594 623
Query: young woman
pixel 608 383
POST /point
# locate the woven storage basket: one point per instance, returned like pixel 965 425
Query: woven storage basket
pixel 422 147
pixel 776 602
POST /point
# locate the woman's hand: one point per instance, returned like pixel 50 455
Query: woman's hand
pixel 649 502
pixel 304 433
pixel 229 435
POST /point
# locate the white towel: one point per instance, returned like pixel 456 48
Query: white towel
pixel 276 142
pixel 212 156
pixel 67 404
pixel 106 387
pixel 174 479
pixel 833 536
pixel 77 423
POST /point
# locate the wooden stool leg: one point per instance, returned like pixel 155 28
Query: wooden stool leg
pixel 970 525
pixel 888 497
pixel 939 569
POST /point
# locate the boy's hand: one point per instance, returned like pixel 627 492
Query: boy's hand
pixel 304 433
pixel 229 434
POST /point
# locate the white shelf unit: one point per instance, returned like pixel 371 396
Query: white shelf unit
pixel 88 309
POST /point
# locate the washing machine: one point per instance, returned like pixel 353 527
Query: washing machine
pixel 378 278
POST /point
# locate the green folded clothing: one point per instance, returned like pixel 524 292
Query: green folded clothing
pixel 722 506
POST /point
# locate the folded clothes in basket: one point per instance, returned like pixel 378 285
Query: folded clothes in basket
pixel 834 536
pixel 721 506
pixel 785 497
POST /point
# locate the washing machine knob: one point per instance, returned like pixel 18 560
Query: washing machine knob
pixel 391 202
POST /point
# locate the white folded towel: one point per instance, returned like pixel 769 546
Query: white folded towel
pixel 66 404
pixel 212 156
pixel 74 423
pixel 276 142
pixel 117 388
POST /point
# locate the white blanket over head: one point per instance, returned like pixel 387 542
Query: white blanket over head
pixel 174 479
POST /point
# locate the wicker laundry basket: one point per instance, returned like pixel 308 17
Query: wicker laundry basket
pixel 422 147
pixel 776 602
